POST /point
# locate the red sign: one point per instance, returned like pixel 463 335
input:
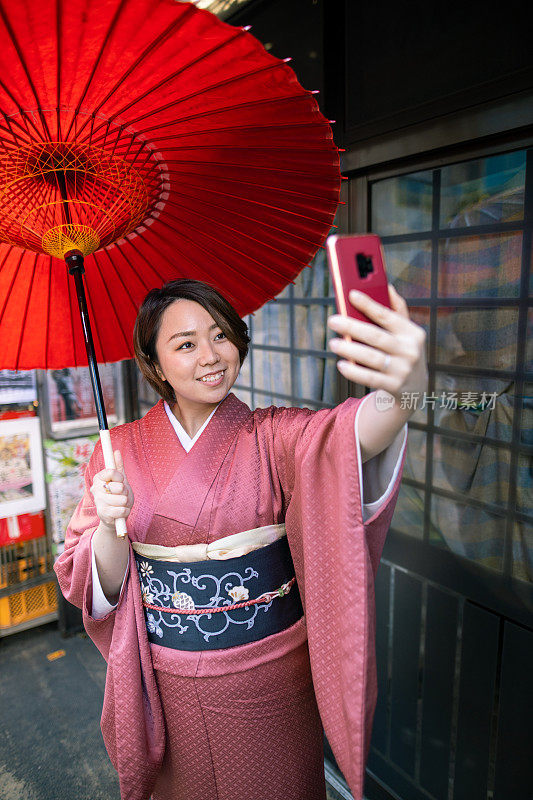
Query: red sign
pixel 21 528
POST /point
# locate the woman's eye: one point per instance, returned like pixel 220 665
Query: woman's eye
pixel 183 347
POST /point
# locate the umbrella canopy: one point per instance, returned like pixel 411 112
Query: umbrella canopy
pixel 163 143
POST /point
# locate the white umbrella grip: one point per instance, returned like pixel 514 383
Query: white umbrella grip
pixel 109 461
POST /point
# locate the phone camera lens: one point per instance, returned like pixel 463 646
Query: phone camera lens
pixel 364 265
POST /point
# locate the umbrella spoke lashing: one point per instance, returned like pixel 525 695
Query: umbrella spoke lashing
pixel 60 196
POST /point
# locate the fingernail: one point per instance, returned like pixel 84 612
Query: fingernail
pixel 335 319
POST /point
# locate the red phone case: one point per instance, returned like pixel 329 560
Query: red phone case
pixel 357 262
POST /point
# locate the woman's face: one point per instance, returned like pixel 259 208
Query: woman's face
pixel 190 346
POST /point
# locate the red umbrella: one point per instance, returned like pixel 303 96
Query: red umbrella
pixel 163 143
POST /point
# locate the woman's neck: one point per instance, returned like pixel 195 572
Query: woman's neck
pixel 191 420
pixel 192 417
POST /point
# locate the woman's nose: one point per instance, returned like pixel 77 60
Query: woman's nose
pixel 208 353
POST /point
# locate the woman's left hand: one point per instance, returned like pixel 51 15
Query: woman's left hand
pixel 389 355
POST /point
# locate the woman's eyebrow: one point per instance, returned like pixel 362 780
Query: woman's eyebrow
pixel 189 333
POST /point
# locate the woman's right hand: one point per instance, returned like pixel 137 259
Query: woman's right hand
pixel 113 496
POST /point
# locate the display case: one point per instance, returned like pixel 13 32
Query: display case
pixel 28 594
pixel 48 430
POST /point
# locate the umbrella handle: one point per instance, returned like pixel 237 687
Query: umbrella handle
pixel 109 461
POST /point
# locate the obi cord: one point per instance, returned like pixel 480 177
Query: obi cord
pixel 209 605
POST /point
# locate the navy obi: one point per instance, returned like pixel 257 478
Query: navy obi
pixel 214 604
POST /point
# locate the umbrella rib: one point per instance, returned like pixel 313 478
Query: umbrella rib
pixel 242 252
pixel 58 65
pixel 204 90
pixel 236 165
pixel 240 128
pixel 120 278
pixel 274 147
pixel 249 201
pixel 96 63
pixel 178 23
pixel 244 235
pixel 194 264
pixel 178 101
pixel 238 214
pixel 19 193
pixel 17 358
pixel 25 68
pixel 135 272
pixel 141 255
pixel 15 272
pixel 22 113
pixel 48 304
pixel 256 186
pixel 237 107
pixel 239 275
pixel 117 316
pixel 7 253
pixel 155 140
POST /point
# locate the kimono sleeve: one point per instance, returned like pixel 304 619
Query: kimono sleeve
pixel 74 566
pixel 380 477
pixel 335 557
pixel 319 474
pixel 376 478
pixel 132 718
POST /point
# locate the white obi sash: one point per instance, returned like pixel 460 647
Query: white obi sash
pixel 238 544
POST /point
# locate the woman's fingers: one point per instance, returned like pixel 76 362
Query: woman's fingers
pixel 395 333
pixel 118 461
pixel 107 475
pixel 104 498
pixel 114 499
pixel 363 332
pixel 368 377
pixel 359 353
pixel 109 493
pixel 366 365
pixel 388 355
pixel 113 496
pixel 397 302
pixel 110 507
pixel 113 487
pixel 384 317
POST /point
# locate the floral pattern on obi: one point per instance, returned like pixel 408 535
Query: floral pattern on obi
pixel 203 586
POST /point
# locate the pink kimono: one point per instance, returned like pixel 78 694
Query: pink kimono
pixel 242 723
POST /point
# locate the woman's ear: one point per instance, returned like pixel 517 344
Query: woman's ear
pixel 159 372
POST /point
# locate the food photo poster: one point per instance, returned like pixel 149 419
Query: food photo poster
pixel 22 487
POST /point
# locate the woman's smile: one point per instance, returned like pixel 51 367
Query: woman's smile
pixel 213 378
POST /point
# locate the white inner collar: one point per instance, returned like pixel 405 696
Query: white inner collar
pixel 182 434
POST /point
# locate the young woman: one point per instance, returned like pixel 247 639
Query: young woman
pixel 237 617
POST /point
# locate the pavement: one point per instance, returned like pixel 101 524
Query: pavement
pixel 51 747
pixel 51 695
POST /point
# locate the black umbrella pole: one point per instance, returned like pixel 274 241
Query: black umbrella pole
pixel 74 260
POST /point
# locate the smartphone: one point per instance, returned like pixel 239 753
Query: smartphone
pixel 357 262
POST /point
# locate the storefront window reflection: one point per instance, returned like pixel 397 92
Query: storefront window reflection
pixel 453 240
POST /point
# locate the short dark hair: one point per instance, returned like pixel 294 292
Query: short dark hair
pixel 149 317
